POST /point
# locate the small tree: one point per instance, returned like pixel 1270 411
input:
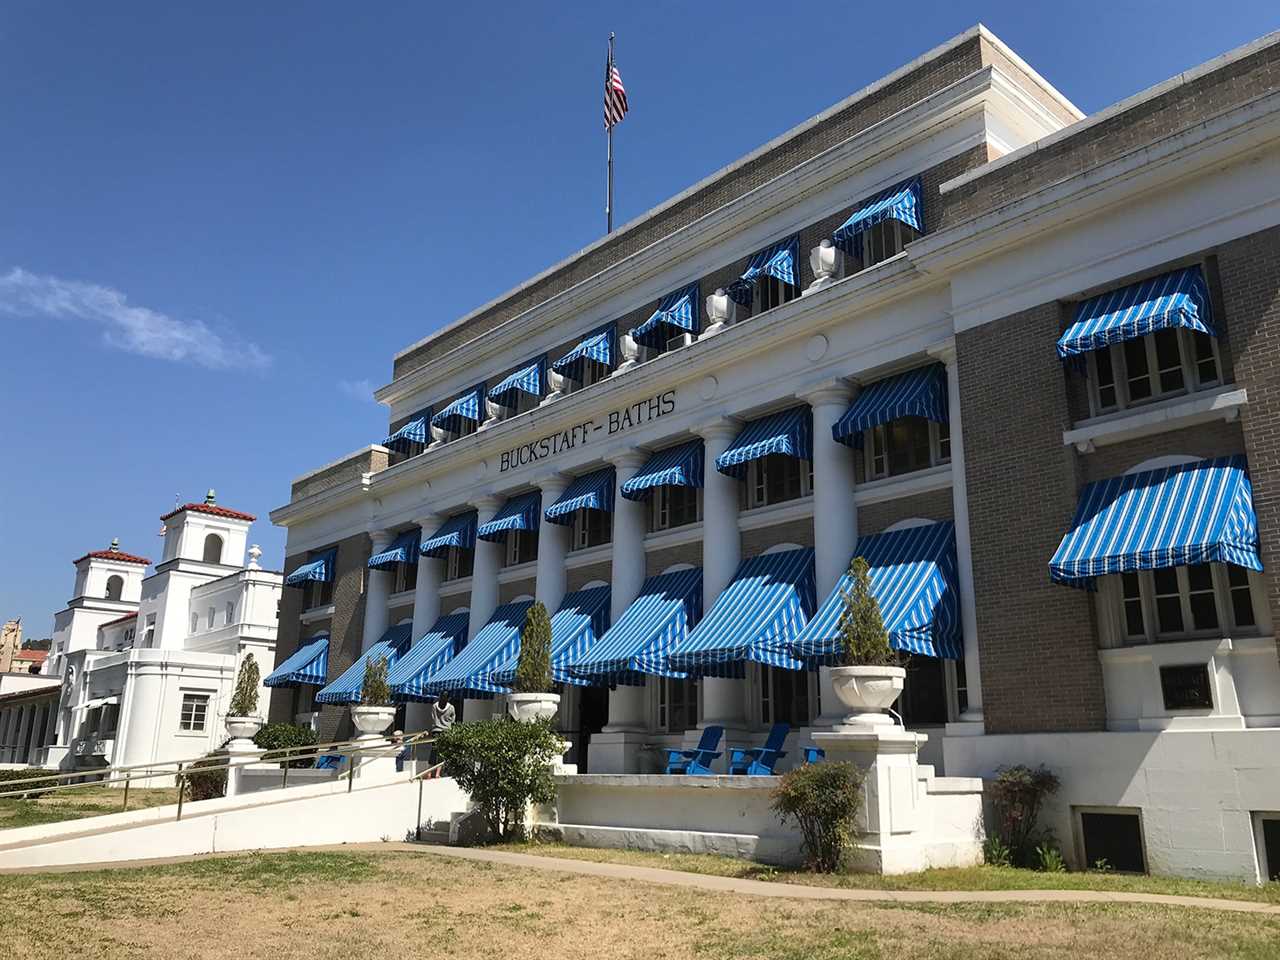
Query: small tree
pixel 244 701
pixel 1017 795
pixel 503 766
pixel 533 672
pixel 823 799
pixel 374 691
pixel 864 642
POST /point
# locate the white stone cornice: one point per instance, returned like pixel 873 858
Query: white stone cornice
pixel 944 352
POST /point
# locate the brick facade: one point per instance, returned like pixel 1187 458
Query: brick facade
pixel 656 561
pixel 578 577
pixel 517 588
pixel 799 532
pixel 288 630
pixel 934 505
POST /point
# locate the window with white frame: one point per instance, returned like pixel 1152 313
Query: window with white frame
pixel 521 547
pixel 521 402
pixel 777 478
pixel 591 373
pixel 1200 601
pixel 677 705
pixel 318 593
pixel 195 622
pixel 127 641
pixel 886 239
pixel 903 446
pixel 149 636
pixel 406 577
pixel 591 528
pixel 230 613
pixel 674 506
pixel 771 292
pixel 458 564
pixel 195 712
pixel 1163 364
pixel 304 699
pixel 209 615
pixel 784 696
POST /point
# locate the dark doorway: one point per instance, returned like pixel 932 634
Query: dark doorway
pixel 1271 847
pixel 1115 838
pixel 592 715
pixel 924 696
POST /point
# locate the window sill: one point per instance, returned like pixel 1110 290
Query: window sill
pixel 673 536
pixel 451 588
pixel 316 613
pixel 758 517
pixel 401 599
pixel 1218 403
pixel 903 485
pixel 519 571
pixel 588 555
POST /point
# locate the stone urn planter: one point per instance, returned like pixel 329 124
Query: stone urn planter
pixel 244 728
pixel 867 692
pixel 532 706
pixel 371 721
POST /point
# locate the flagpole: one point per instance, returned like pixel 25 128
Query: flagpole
pixel 608 203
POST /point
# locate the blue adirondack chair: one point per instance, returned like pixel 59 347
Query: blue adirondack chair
pixel 814 754
pixel 696 762
pixel 759 761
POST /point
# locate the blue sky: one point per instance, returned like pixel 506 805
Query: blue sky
pixel 220 222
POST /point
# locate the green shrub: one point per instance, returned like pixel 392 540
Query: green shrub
pixel 864 642
pixel 37 788
pixel 282 736
pixel 374 691
pixel 823 799
pixel 995 853
pixel 533 672
pixel 244 702
pixel 201 784
pixel 504 766
pixel 1049 859
pixel 1017 795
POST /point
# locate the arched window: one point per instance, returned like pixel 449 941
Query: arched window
pixel 115 586
pixel 213 548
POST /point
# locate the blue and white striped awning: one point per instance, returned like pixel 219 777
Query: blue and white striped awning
pixel 779 260
pixel 678 312
pixel 496 643
pixel 673 467
pixel 596 347
pixel 403 549
pixel 456 532
pixel 757 617
pixel 319 568
pixel 308 664
pixel 913 578
pixel 637 644
pixel 469 406
pixel 1177 299
pixel 788 432
pixel 521 512
pixel 429 653
pixel 917 393
pixel 591 491
pixel 525 380
pixel 348 686
pixel 900 203
pixel 415 431
pixel 1199 512
pixel 582 619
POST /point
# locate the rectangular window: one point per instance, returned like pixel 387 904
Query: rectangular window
pixel 521 402
pixel 592 372
pixel 1186 687
pixel 903 446
pixel 778 478
pixel 771 292
pixel 458 564
pixel 784 696
pixel 195 623
pixel 521 547
pixel 1203 600
pixel 304 699
pixel 672 506
pixel 319 593
pixel 406 577
pixel 150 635
pixel 1163 364
pixel 1113 840
pixel 195 712
pixel 231 612
pixel 886 239
pixel 677 705
pixel 591 528
pixel 209 615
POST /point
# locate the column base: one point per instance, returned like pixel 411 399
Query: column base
pixel 965 728
pixel 617 751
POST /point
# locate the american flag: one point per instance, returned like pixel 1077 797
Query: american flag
pixel 615 96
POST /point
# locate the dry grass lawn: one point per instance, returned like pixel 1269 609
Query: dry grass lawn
pixel 408 904
pixel 77 802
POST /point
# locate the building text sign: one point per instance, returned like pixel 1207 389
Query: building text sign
pixel 546 448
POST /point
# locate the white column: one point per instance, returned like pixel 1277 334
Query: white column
pixel 484 593
pixel 24 730
pixel 627 704
pixel 553 546
pixel 376 591
pixel 835 515
pixel 426 611
pixel 971 718
pixel 723 700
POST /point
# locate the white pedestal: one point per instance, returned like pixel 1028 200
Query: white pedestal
pixel 239 753
pixel 378 763
pixel 616 751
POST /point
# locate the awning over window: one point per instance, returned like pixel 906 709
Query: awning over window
pixel 308 664
pixel 916 393
pixel 403 549
pixel 778 260
pixel 677 313
pixel 582 619
pixel 637 644
pixel 757 617
pixel 319 569
pixel 496 643
pixel 1177 299
pixel 674 467
pixel 592 491
pixel 459 532
pixel 469 406
pixel 789 432
pixel 429 653
pixel 1199 512
pixel 913 578
pixel 347 688
pixel 415 431
pixel 901 203
pixel 525 380
pixel 596 347
pixel 520 512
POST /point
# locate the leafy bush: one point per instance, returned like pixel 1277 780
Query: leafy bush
pixel 823 799
pixel 374 691
pixel 504 766
pixel 533 672
pixel 201 784
pixel 864 642
pixel 1049 859
pixel 995 853
pixel 37 788
pixel 244 702
pixel 1017 795
pixel 282 736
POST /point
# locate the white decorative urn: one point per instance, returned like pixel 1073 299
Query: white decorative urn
pixel 244 728
pixel 868 692
pixel 526 707
pixel 371 721
pixel 827 261
pixel 722 312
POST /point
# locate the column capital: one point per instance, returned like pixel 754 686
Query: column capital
pixel 487 504
pixel 381 539
pixel 428 521
pixel 551 481
pixel 631 458
pixel 944 351
pixel 834 390
pixel 721 427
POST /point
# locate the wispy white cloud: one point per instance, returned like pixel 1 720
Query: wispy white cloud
pixel 358 389
pixel 125 326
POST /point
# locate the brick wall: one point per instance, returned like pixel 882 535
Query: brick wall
pixel 288 629
pixel 1215 439
pixel 1040 668
pixel 365 461
pixel 578 577
pixel 655 561
pixel 461 601
pixel 346 629
pixel 509 591
pixel 934 505
pixel 755 542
